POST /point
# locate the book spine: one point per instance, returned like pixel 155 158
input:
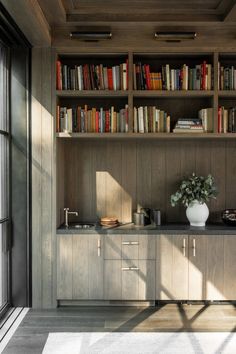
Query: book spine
pixel 59 75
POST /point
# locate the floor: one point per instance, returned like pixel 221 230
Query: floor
pixel 32 333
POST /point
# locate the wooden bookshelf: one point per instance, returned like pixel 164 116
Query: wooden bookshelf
pixel 174 101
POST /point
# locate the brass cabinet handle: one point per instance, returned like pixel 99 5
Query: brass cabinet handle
pixel 194 247
pixel 130 268
pixel 99 248
pixel 184 247
pixel 130 243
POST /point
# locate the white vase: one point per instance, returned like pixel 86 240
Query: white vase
pixel 197 213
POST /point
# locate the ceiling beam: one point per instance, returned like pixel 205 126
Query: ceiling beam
pixel 29 17
pixel 54 11
pixel 230 13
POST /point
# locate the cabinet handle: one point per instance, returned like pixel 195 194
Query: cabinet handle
pixel 130 243
pixel 194 247
pixel 99 248
pixel 130 268
pixel 184 247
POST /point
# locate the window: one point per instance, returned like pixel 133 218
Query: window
pixel 4 177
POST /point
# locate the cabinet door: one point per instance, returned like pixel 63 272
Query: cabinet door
pixel 80 267
pixel 172 267
pixel 95 256
pixel 147 284
pixel 112 279
pixel 64 267
pixel 230 267
pixel 206 267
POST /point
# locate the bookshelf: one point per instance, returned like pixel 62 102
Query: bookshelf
pixel 178 103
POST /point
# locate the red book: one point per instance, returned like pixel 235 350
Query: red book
pixel 59 78
pixel 110 79
pixel 97 122
pixel 203 76
pixel 219 120
pixel 107 121
pixel 85 78
pixel 148 77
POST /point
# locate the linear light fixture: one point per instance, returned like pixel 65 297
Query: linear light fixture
pixel 175 36
pixel 91 35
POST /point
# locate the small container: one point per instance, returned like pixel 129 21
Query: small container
pixel 139 219
pixel 156 217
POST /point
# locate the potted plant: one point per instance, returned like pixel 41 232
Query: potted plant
pixel 193 193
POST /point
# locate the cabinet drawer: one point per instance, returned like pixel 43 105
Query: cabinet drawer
pixel 112 247
pixel 130 247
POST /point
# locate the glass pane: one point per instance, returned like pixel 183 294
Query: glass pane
pixel 3 265
pixel 3 90
pixel 4 176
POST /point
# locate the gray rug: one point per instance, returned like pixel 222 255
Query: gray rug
pixel 141 343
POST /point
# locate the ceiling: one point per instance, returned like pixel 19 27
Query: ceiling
pixel 66 12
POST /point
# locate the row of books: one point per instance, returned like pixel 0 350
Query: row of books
pixel 202 124
pixel 92 77
pixel 198 78
pixel 226 77
pixel 226 120
pixel 150 119
pixel 85 120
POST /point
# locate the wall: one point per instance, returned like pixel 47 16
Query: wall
pixel 113 178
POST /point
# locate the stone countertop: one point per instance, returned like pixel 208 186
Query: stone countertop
pixel 130 229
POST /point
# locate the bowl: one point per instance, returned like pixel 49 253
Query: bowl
pixel 229 217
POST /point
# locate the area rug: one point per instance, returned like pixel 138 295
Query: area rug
pixel 141 343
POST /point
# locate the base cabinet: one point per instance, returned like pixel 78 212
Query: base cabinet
pixel 80 267
pixel 129 280
pixel 196 267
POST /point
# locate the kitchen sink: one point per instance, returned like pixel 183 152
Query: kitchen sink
pixel 84 226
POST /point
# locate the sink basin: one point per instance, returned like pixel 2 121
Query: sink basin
pixel 83 226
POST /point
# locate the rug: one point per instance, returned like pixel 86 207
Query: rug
pixel 141 343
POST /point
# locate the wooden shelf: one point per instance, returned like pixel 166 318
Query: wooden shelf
pixel 227 93
pixel 180 93
pixel 92 93
pixel 146 135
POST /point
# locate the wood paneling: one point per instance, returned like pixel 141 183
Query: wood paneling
pixel 101 178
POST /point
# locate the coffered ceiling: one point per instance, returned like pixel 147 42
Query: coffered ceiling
pixel 59 12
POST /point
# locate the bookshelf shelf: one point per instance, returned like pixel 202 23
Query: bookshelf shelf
pixel 145 135
pixel 226 93
pixel 92 93
pixel 180 93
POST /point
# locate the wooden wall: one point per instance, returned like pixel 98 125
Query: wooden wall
pixel 114 178
pixel 43 180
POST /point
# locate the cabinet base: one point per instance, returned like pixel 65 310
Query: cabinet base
pixel 105 303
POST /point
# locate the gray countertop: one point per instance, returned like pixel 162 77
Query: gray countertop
pixel 210 229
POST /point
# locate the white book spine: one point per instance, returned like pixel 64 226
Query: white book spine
pixel 124 73
pixel 140 120
pixel 114 78
pixel 135 120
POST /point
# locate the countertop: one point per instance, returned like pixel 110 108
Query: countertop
pixel 130 229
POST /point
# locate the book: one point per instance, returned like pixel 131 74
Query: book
pixel 150 119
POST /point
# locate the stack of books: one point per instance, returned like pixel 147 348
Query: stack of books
pixel 226 77
pixel 198 78
pixel 85 120
pixel 226 120
pixel 206 116
pixel 92 77
pixel 150 119
pixel 188 125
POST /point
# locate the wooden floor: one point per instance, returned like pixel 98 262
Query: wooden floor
pixel 32 334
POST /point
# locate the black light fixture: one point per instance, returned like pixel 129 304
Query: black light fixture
pixel 174 36
pixel 91 35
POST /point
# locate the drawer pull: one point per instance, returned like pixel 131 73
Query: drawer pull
pixel 194 247
pixel 184 247
pixel 129 268
pixel 99 248
pixel 130 243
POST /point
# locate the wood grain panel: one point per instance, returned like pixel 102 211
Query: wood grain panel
pixel 113 181
pixel 230 189
pixel 112 247
pixel 130 280
pixel 36 177
pixel 96 263
pixel 173 178
pixel 64 267
pixel 144 187
pixel 158 177
pixel 147 247
pixel 112 280
pixel 147 283
pixel 80 267
pixel 129 180
pixel 229 267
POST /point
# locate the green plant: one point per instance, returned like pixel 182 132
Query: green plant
pixel 194 188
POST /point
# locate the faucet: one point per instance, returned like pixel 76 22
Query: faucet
pixel 67 212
